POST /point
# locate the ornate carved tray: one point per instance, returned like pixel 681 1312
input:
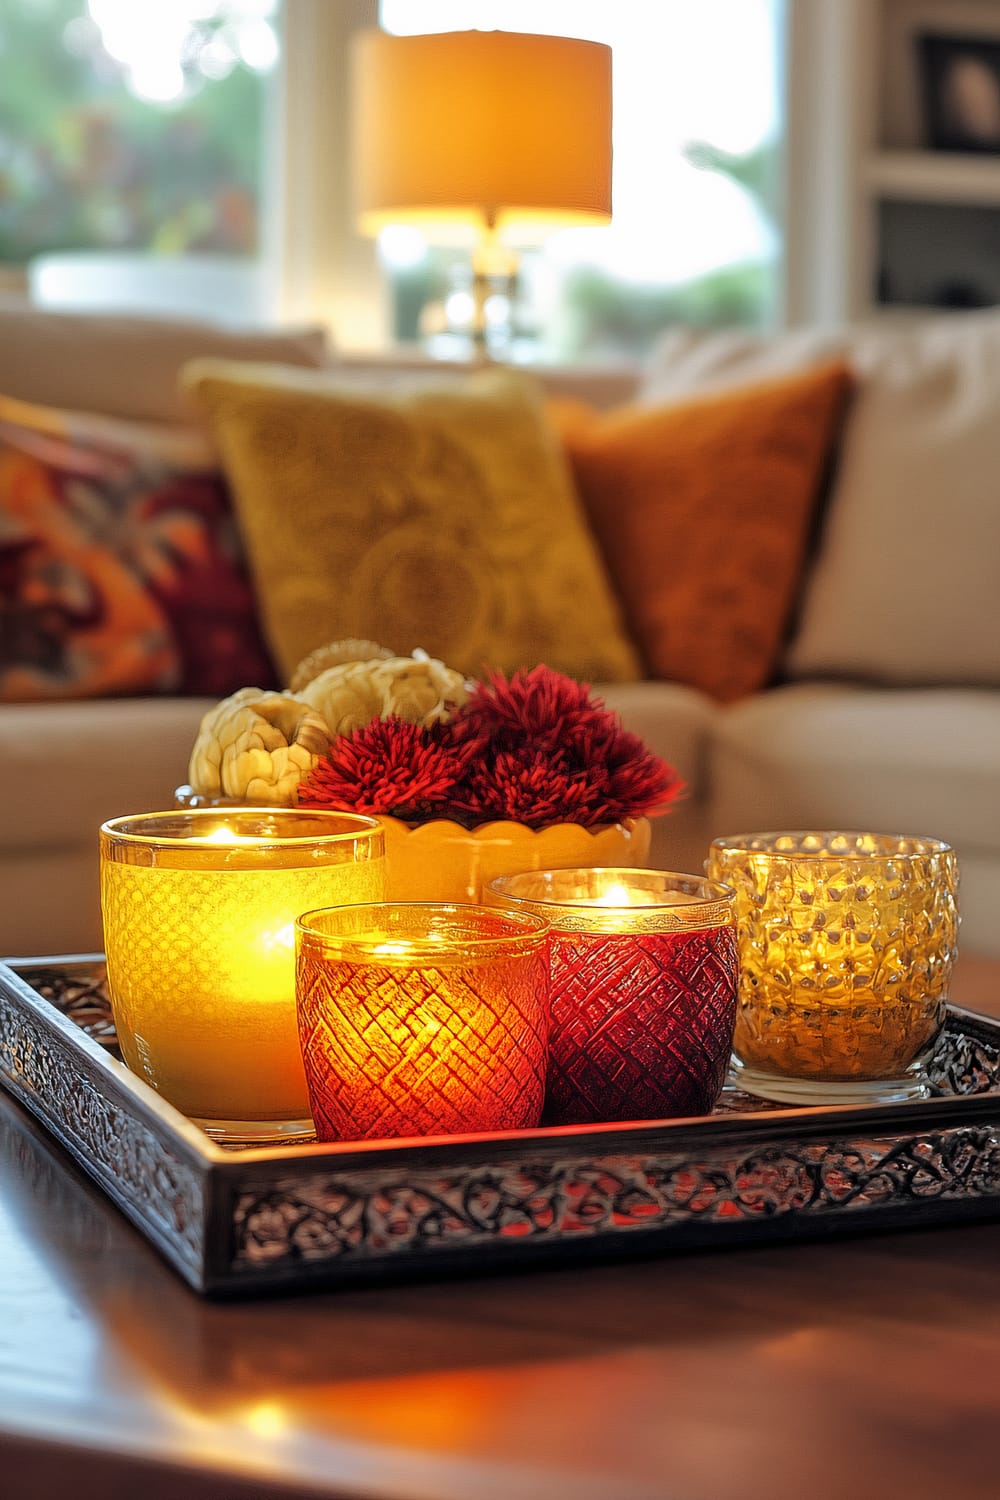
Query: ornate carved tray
pixel 248 1221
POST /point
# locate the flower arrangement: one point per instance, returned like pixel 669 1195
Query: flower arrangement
pixel 534 749
pixel 406 737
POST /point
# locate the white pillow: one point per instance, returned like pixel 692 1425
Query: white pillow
pixel 686 361
pixel 124 365
pixel 906 586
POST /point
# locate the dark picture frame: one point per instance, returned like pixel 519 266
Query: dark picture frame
pixel 960 77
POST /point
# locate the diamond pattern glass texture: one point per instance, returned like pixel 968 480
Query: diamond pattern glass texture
pixel 422 1019
pixel 643 990
pixel 199 911
pixel 641 1024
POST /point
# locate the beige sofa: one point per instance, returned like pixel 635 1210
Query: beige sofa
pixel 888 717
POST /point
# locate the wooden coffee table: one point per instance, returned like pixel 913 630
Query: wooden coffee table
pixel 976 984
pixel 861 1367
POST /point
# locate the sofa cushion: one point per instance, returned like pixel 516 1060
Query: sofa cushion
pixel 68 767
pixel 442 518
pixel 676 722
pixel 121 566
pixel 599 385
pixel 122 365
pixel 703 511
pixel 827 755
pixel 686 361
pixel 905 583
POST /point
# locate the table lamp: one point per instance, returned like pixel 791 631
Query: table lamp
pixel 486 139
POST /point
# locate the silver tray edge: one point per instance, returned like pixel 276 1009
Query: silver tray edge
pixel 290 1216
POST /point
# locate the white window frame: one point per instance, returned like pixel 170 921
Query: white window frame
pixel 324 271
pixel 320 270
pixel 828 108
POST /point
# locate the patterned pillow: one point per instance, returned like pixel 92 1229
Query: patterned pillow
pixel 442 517
pixel 121 569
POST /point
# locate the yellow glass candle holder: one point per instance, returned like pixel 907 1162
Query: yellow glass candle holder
pixel 422 1019
pixel 846 944
pixel 199 910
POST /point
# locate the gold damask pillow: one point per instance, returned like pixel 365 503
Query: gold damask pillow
pixel 442 517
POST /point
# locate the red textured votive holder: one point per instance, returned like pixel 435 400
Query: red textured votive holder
pixel 643 970
pixel 422 1019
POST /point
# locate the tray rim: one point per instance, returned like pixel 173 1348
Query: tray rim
pixel 198 1206
pixel 808 1122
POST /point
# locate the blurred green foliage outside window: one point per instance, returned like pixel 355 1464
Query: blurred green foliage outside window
pixel 132 124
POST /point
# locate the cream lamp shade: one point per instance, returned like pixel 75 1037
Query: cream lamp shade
pixel 472 133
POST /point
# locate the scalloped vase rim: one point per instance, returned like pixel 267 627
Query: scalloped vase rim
pixel 627 824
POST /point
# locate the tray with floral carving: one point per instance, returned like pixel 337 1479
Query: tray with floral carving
pixel 242 1221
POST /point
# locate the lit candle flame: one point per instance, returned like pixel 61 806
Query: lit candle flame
pixel 408 948
pixel 225 835
pixel 615 895
pixel 221 834
pixel 282 937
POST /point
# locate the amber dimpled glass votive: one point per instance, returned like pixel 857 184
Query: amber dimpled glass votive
pixel 199 929
pixel 643 990
pixel 847 942
pixel 422 1019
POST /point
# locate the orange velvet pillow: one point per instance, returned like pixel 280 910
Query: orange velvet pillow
pixel 703 511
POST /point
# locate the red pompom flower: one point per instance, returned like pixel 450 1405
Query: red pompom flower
pixel 554 742
pixel 390 766
pixel 535 749
pixel 540 708
pixel 526 786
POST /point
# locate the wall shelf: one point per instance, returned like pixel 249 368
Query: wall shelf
pixel 876 221
pixel 933 177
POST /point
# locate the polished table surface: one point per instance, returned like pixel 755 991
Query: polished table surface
pixel 858 1368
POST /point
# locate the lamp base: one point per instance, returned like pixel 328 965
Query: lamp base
pixel 255 1132
pixel 477 313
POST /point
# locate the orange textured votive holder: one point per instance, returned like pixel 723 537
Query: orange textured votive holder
pixel 199 911
pixel 422 1019
pixel 847 942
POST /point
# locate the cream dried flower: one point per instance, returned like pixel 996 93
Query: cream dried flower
pixel 333 655
pixel 418 688
pixel 344 696
pixel 256 746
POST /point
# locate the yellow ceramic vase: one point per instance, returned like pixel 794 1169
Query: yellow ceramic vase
pixel 442 861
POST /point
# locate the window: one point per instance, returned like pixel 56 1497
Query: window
pixel 196 151
pixel 697 135
pixel 136 129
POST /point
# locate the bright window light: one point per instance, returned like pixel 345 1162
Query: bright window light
pixel 136 134
pixel 697 129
